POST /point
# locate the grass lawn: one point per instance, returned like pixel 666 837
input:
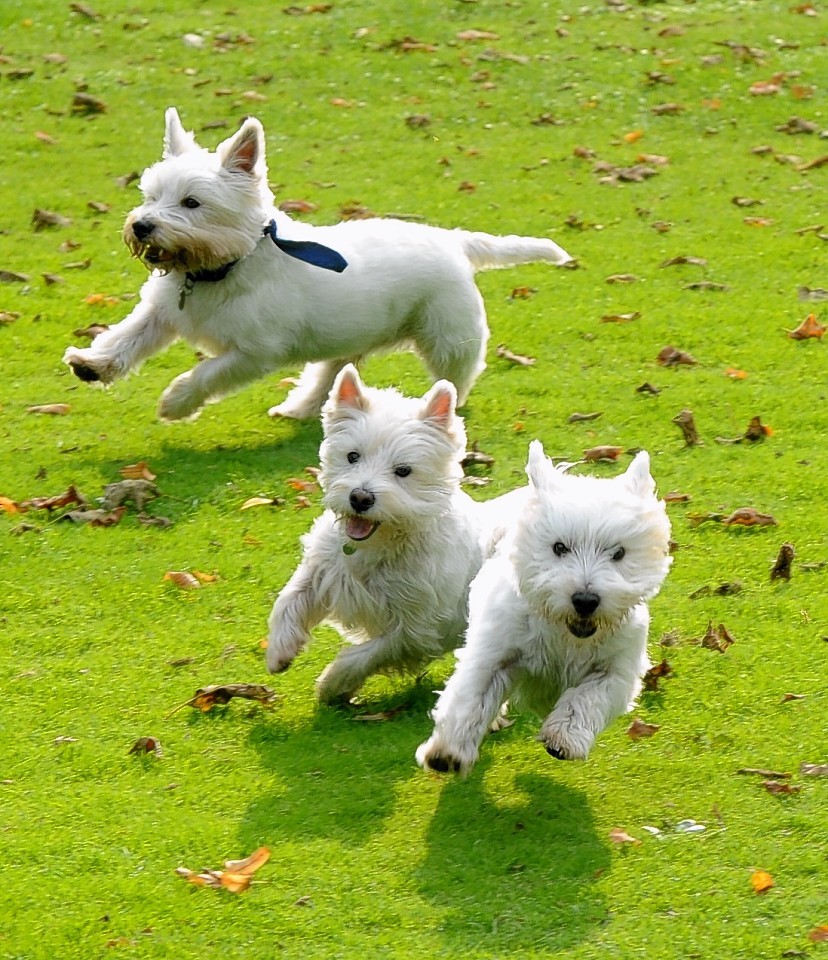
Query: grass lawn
pixel 635 134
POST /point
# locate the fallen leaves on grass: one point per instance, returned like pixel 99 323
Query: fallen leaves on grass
pixel 673 357
pixel 620 317
pixel 506 354
pixel 686 423
pixel 137 471
pixel 583 417
pixel 205 698
pixel 95 518
pixel 749 517
pixel 382 715
pixel 619 835
pixel 235 877
pixel 788 697
pixel 476 458
pixel 756 431
pixel 781 569
pixel 808 329
pixel 819 934
pixel 716 638
pixel 183 579
pixel 678 261
pixel 609 453
pixel 622 278
pixel 761 881
pixel 655 674
pixel 137 491
pixel 774 787
pixel 262 502
pixel 51 409
pixel 639 730
pixel 41 219
pixel 765 774
pixel 145 745
pixel 813 769
pixel 70 496
pixel 303 486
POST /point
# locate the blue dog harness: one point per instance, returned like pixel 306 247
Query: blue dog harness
pixel 315 254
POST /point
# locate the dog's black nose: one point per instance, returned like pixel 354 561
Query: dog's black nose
pixel 585 602
pixel 361 500
pixel 142 229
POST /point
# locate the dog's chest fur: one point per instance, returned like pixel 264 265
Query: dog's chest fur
pixel 415 590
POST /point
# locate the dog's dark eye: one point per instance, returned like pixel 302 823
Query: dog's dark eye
pixel 190 202
pixel 353 456
pixel 619 554
pixel 560 549
pixel 402 471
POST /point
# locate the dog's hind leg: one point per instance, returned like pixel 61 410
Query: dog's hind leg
pixel 342 678
pixel 305 400
pixel 453 342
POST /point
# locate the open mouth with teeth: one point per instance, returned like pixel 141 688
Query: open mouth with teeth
pixel 360 528
pixel 581 627
pixel 156 255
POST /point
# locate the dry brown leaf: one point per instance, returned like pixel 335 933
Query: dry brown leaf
pixel 749 517
pixel 810 327
pixel 735 374
pixel 656 673
pixel 622 278
pixel 620 317
pixel 761 881
pixel 262 502
pixel 619 835
pixel 70 496
pixel 218 694
pixel 9 276
pixel 95 518
pixel 147 745
pixel 675 496
pixel 687 424
pixel 582 417
pixel 381 716
pixel 673 357
pixel 139 492
pixel 678 261
pixel 297 206
pixel 792 696
pixel 813 769
pixel 48 218
pixel 86 103
pixel 716 638
pixel 476 458
pixel 477 35
pixel 52 409
pixel 234 882
pixel 137 471
pixel 9 505
pixel 603 453
pixel 773 786
pixel 251 864
pixel 705 285
pixel 182 579
pixel 303 486
pixel 781 569
pixel 819 934
pixel 205 577
pixel 302 503
pixel 639 730
pixel 506 354
pixel 765 774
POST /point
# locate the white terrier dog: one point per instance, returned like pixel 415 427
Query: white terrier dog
pixel 558 616
pixel 256 291
pixel 391 559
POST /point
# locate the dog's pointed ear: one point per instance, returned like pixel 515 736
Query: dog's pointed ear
pixel 440 402
pixel 177 140
pixel 348 390
pixel 539 467
pixel 637 476
pixel 244 151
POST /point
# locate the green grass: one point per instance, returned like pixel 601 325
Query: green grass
pixel 516 861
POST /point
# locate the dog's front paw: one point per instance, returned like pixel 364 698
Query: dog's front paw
pixel 177 401
pixel 565 742
pixel 335 687
pixel 294 411
pixel 87 367
pixel 436 755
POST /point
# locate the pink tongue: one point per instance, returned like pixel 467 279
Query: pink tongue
pixel 359 528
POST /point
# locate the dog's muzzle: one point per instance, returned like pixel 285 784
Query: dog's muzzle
pixel 585 603
pixel 581 627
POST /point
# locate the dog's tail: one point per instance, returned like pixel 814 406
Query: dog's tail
pixel 485 250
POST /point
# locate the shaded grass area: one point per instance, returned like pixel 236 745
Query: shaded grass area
pixel 371 856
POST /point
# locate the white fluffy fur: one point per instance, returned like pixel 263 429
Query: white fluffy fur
pixel 406 284
pixel 527 641
pixel 399 596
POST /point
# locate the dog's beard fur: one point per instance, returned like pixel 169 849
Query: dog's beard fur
pixel 230 190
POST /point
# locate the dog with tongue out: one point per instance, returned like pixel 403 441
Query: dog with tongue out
pixel 390 561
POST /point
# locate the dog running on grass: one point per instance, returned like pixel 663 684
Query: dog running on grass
pixel 255 291
pixel 390 561
pixel 558 616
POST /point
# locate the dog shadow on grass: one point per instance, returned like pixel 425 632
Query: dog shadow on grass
pixel 513 861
